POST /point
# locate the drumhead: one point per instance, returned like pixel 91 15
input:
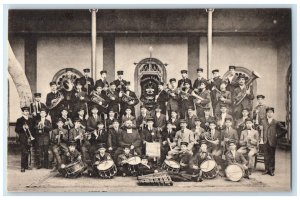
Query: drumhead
pixel 134 160
pixel 105 165
pixel 208 165
pixel 234 172
pixel 173 164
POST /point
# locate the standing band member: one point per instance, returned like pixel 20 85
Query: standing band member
pixel 186 100
pixel 161 98
pixel 199 79
pixel 232 79
pixel 36 106
pixel 272 130
pixel 173 97
pixel 43 128
pixel 54 102
pixel 128 99
pixel 223 97
pixel 87 81
pixel 102 80
pixel 215 83
pixel 203 98
pixel 259 112
pixel 114 100
pixel 24 129
pixel 184 80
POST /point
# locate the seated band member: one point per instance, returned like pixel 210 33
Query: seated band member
pixel 110 119
pixel 249 143
pixel 122 161
pixel 98 136
pixel 203 99
pixel 198 130
pixel 24 129
pixel 141 121
pixel 235 157
pixel 183 158
pixel 68 124
pixel 206 119
pixel 36 106
pixel 223 97
pixel 114 100
pixel 128 116
pixel 214 140
pixel 83 144
pixel 184 135
pixel 99 156
pixel 240 123
pixel 42 129
pixel 220 118
pixel 173 97
pixel 259 112
pixel 228 134
pixel 93 120
pixel 59 142
pixel 69 157
pixel 190 118
pixel 128 99
pixel 159 119
pixel 198 158
pixel 113 138
pixel 168 136
pixel 81 116
pixel 130 136
pixel 238 92
pixel 174 120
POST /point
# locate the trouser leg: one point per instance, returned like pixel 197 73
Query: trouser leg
pixel 24 156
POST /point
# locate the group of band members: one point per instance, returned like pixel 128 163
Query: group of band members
pixel 192 122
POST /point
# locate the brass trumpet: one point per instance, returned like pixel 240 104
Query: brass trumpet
pixel 29 132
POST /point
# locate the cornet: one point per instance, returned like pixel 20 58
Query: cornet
pixel 29 132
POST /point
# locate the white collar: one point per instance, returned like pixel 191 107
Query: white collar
pixel 26 117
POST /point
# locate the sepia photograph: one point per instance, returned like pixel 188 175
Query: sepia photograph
pixel 149 100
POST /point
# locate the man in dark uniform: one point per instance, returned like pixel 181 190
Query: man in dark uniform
pixel 206 119
pixel 68 91
pixel 173 97
pixel 113 138
pixel 204 100
pixel 99 156
pixel 36 106
pixel 97 137
pixel 238 93
pixel 80 115
pixel 232 80
pixel 42 129
pixel 120 82
pixel 24 128
pixel 162 98
pixel 68 124
pixel 199 79
pixel 215 82
pixel 110 119
pixel 174 120
pixel 141 121
pixel 185 79
pixel 159 119
pixel 87 81
pixel 186 100
pixel 54 97
pixel 272 129
pixel 93 120
pixel 114 100
pixel 128 100
pixel 79 98
pixel 102 80
pixel 259 112
pixel 223 97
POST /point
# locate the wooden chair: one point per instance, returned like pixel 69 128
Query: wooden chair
pixel 260 157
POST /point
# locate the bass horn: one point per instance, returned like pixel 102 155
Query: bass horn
pixel 240 97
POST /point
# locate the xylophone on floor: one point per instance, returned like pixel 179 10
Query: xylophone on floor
pixel 159 179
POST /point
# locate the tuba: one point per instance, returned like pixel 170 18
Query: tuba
pixel 240 97
pixel 97 99
pixel 56 101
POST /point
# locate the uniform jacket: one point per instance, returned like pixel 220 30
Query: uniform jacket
pixel 182 81
pixel 21 131
pixel 72 157
pixel 160 122
pixel 206 99
pixel 198 132
pixel 98 157
pixel 261 113
pixel 140 119
pixel 185 136
pixel 101 82
pixel 64 137
pixel 173 100
pixel 220 123
pixel 130 138
pixel 162 99
pixel 87 81
pixel 231 85
pixel 43 135
pixel 238 158
pixel 35 109
pixel 73 133
pixel 168 134
pixel 198 81
pixel 99 138
pixel 230 134
pixel 51 96
pixel 252 134
pixel 134 97
pixel 151 135
pixel 113 137
pixel 120 84
pixel 122 157
pixel 198 158
pixel 272 131
pixel 205 122
pixel 176 123
pixel 191 121
pixel 91 123
pixel 247 101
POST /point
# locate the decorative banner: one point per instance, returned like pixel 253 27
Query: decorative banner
pixel 149 88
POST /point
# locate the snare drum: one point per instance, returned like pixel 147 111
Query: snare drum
pixel 107 169
pixel 73 170
pixel 234 172
pixel 171 166
pixel 209 169
pixel 133 165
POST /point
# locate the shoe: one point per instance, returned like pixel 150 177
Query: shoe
pixel 265 172
pixel 23 170
pixel 249 172
pixel 28 168
pixel 272 173
pixel 39 167
pixel 124 174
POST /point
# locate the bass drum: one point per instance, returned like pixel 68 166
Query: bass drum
pixel 133 165
pixel 73 170
pixel 171 166
pixel 234 172
pixel 209 169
